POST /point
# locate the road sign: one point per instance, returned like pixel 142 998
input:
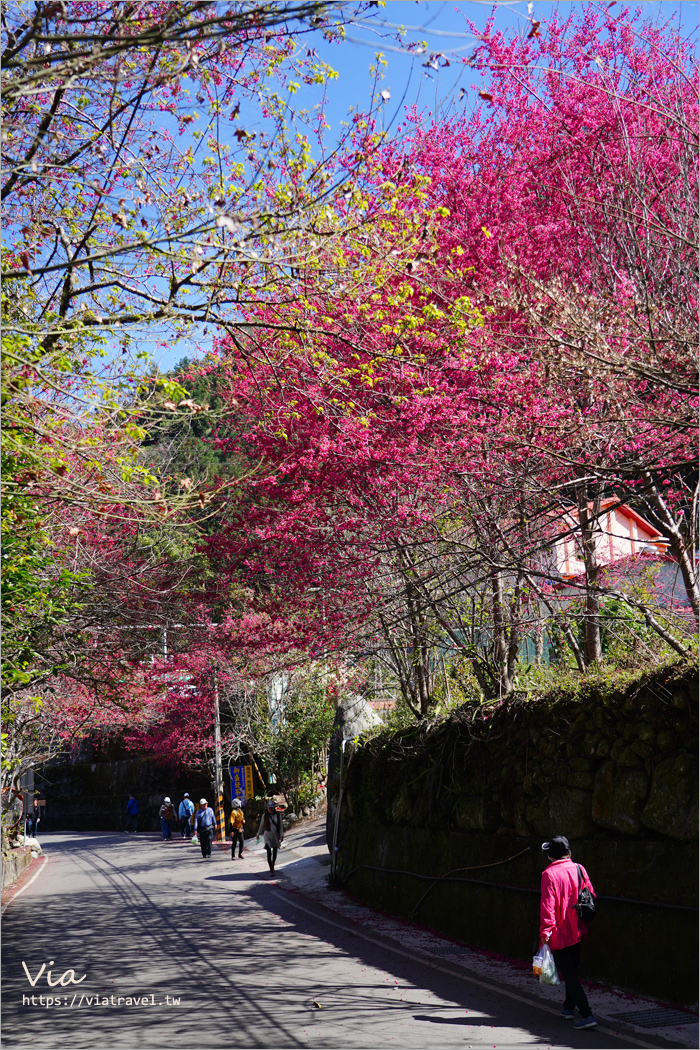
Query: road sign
pixel 242 782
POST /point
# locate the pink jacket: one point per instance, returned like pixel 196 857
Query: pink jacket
pixel 559 921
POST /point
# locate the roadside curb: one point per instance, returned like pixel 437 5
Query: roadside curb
pixel 23 881
pixel 511 976
pixel 460 970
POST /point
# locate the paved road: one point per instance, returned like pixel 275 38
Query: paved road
pixel 243 957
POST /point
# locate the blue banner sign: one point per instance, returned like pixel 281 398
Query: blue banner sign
pixel 241 782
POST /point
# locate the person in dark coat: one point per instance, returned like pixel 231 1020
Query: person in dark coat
pixel 33 819
pixel 132 815
pixel 272 830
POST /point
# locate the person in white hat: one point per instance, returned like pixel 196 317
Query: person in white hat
pixel 205 826
pixel 167 816
pixel 185 814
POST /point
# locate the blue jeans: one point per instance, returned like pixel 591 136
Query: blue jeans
pixel 185 827
pixel 131 819
pixel 166 826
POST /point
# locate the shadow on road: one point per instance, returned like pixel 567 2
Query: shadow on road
pixel 242 959
pixel 449 1020
pixel 486 1007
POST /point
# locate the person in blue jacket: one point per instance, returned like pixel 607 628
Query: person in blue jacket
pixel 185 812
pixel 205 826
pixel 132 813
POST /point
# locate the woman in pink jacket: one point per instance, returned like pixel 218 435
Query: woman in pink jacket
pixel 560 925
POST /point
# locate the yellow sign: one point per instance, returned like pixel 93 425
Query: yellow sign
pixel 248 781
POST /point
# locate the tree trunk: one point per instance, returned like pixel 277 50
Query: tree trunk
pixel 421 650
pixel 506 638
pixel 560 621
pixel 588 521
pixel 661 515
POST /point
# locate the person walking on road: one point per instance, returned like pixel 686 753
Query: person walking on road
pixel 272 830
pixel 132 815
pixel 185 814
pixel 33 819
pixel 560 925
pixel 205 826
pixel 167 816
pixel 237 820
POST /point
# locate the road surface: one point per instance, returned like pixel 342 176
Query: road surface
pixel 174 951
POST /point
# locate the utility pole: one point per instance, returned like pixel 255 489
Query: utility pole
pixel 217 757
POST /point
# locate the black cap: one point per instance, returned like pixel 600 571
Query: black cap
pixel 557 847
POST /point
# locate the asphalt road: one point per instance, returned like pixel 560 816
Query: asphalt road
pixel 244 959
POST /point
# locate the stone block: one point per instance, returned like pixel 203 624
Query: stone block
pixel 543 780
pixel 641 749
pixel 537 816
pixel 665 740
pixel 618 798
pixel 529 784
pixel 477 813
pixel 672 809
pixel 617 749
pixel 522 827
pixel 580 780
pixel 647 733
pixel 421 811
pixel 567 811
pixel 679 699
pixel 401 810
pixel 630 758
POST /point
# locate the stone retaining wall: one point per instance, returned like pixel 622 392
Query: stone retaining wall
pixel 92 796
pixel 616 770
pixel 13 864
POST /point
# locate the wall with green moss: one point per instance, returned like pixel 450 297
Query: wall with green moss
pixel 615 769
pixel 92 796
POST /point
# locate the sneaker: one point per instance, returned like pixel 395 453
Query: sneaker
pixel 568 1014
pixel 586 1022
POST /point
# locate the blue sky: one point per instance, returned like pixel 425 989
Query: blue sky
pixel 442 25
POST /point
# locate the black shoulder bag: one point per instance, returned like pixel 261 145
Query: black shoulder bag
pixel 585 905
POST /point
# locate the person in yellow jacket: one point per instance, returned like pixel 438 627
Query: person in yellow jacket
pixel 237 820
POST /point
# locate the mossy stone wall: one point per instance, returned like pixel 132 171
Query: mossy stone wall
pixel 613 769
pixel 92 796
